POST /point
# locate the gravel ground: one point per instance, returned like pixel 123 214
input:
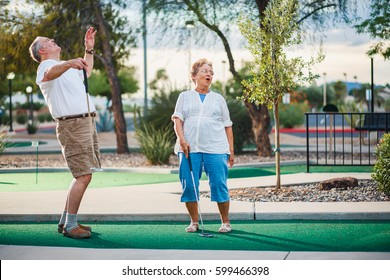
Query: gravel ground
pixel 366 191
pixel 133 159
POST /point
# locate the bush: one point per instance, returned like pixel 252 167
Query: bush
pixel 35 106
pixel 242 124
pixel 41 118
pixel 161 109
pixel 105 122
pixel 4 119
pixel 32 127
pixel 292 115
pixel 45 118
pixel 381 171
pixel 156 144
pixel 21 118
pixel 48 117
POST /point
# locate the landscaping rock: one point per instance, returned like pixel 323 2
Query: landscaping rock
pixel 338 183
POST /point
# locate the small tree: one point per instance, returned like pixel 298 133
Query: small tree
pixel 275 74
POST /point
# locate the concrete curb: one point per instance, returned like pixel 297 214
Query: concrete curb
pixel 178 217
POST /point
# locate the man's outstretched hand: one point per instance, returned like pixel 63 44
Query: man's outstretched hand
pixel 89 39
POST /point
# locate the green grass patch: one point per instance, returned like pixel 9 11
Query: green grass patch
pixel 21 144
pixel 293 169
pixel 48 181
pixel 326 236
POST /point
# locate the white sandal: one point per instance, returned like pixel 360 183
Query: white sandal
pixel 225 227
pixel 193 227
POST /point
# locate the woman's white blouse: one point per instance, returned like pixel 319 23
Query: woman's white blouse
pixel 204 122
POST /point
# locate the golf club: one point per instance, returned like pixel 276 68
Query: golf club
pixel 96 168
pixel 197 200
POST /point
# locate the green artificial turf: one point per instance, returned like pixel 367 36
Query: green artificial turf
pixel 61 180
pixel 369 236
pixel 22 144
pixel 45 181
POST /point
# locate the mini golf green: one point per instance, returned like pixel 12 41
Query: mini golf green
pixel 11 182
pixel 22 144
pixel 352 236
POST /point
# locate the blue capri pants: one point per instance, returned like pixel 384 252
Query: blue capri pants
pixel 216 168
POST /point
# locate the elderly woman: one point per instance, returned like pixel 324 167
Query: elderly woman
pixel 203 128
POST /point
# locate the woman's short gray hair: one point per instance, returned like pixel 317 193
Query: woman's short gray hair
pixel 34 49
pixel 197 65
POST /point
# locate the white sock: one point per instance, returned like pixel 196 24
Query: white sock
pixel 71 222
pixel 63 218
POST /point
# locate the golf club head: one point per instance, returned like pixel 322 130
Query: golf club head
pixel 96 169
pixel 209 235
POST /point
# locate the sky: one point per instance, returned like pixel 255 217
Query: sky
pixel 344 49
pixel 345 53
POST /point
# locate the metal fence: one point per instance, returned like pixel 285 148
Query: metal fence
pixel 344 139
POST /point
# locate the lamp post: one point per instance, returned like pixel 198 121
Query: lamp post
pixel 10 77
pixel 30 101
pixel 346 86
pixel 372 84
pixel 324 89
pixel 189 25
pixel 223 78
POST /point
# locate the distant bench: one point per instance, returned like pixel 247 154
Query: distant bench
pixel 374 122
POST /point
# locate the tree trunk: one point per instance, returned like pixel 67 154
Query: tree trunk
pixel 277 145
pixel 260 123
pixel 120 123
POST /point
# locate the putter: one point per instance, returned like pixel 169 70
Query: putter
pixel 203 234
pixel 94 169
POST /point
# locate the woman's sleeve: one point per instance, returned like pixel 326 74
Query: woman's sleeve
pixel 178 109
pixel 225 114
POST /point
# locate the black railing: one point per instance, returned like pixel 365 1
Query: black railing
pixel 344 139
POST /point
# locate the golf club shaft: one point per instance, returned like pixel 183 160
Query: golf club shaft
pixel 90 121
pixel 196 193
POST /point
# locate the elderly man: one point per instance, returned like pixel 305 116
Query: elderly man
pixel 61 83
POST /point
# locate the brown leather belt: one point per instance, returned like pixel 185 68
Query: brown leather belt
pixel 93 114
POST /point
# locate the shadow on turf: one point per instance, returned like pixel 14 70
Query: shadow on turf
pixel 279 241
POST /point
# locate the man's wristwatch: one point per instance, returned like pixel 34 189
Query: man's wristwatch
pixel 91 51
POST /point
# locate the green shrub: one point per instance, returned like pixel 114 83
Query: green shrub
pixel 45 118
pixel 242 124
pixel 42 118
pixel 161 109
pixel 381 171
pixel 4 119
pixel 156 144
pixel 105 122
pixel 48 117
pixel 35 106
pixel 21 118
pixel 292 115
pixel 32 127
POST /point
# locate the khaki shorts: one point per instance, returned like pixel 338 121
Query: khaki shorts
pixel 79 148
